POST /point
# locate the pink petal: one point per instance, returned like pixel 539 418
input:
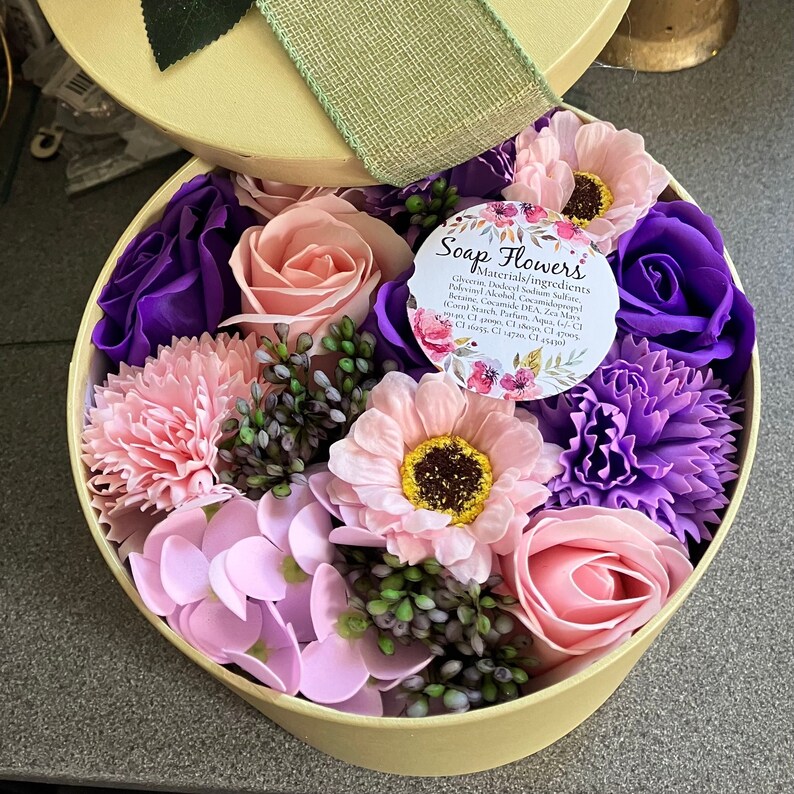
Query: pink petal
pixel 395 396
pixel 368 702
pixel 454 545
pixel 217 631
pixel 308 537
pixel 478 409
pixel 233 522
pixel 478 565
pixel 253 566
pixel 494 520
pixel 133 543
pixel 282 668
pixel 229 595
pixel 146 575
pixel 355 536
pixel 328 600
pixel 189 524
pixel 440 404
pixel 333 670
pixel 380 435
pixel 184 571
pixel 406 660
pixel 275 515
pixel 318 483
pixel 295 609
pixel 353 465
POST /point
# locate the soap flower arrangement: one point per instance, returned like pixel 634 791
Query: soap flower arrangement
pixel 303 496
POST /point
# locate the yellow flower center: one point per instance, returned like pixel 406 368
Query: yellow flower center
pixel 590 199
pixel 448 475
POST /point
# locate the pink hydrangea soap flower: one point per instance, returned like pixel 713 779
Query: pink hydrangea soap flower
pixel 237 586
pixel 431 470
pixel 586 578
pixel 340 665
pixel 315 262
pixel 600 177
pixel 152 439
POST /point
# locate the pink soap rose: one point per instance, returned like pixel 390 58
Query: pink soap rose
pixel 586 578
pixel 434 333
pixel 268 198
pixel 315 262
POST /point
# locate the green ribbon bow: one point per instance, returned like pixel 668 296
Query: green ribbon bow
pixel 414 87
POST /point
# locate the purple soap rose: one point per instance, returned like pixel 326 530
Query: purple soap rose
pixel 388 323
pixel 648 433
pixel 676 290
pixel 174 278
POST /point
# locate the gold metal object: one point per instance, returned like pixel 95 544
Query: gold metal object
pixel 668 35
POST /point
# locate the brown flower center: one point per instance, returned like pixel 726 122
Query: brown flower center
pixel 448 475
pixel 590 199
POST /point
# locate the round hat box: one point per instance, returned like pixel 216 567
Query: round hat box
pixel 427 746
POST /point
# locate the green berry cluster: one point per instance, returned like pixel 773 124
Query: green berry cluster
pixel 275 435
pixel 440 206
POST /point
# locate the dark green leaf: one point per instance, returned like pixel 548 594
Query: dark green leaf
pixel 178 27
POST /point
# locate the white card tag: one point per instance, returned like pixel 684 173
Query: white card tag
pixel 513 301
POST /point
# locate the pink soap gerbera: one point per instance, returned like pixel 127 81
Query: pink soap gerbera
pixel 600 177
pixel 152 439
pixel 430 470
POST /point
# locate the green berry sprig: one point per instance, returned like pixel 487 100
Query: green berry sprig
pixel 429 214
pixel 280 431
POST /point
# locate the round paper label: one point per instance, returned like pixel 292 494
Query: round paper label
pixel 513 301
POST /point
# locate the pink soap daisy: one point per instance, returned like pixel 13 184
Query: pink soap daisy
pixel 432 470
pixel 339 665
pixel 152 439
pixel 600 177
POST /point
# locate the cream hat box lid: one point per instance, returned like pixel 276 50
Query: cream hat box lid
pixel 240 103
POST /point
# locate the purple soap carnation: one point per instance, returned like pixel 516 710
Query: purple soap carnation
pixel 677 291
pixel 648 433
pixel 174 278
pixel 388 323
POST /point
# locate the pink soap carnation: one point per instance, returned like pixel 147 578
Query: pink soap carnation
pixel 546 162
pixel 152 439
pixel 585 579
pixel 396 479
pixel 315 262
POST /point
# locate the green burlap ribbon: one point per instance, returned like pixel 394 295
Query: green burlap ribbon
pixel 413 86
